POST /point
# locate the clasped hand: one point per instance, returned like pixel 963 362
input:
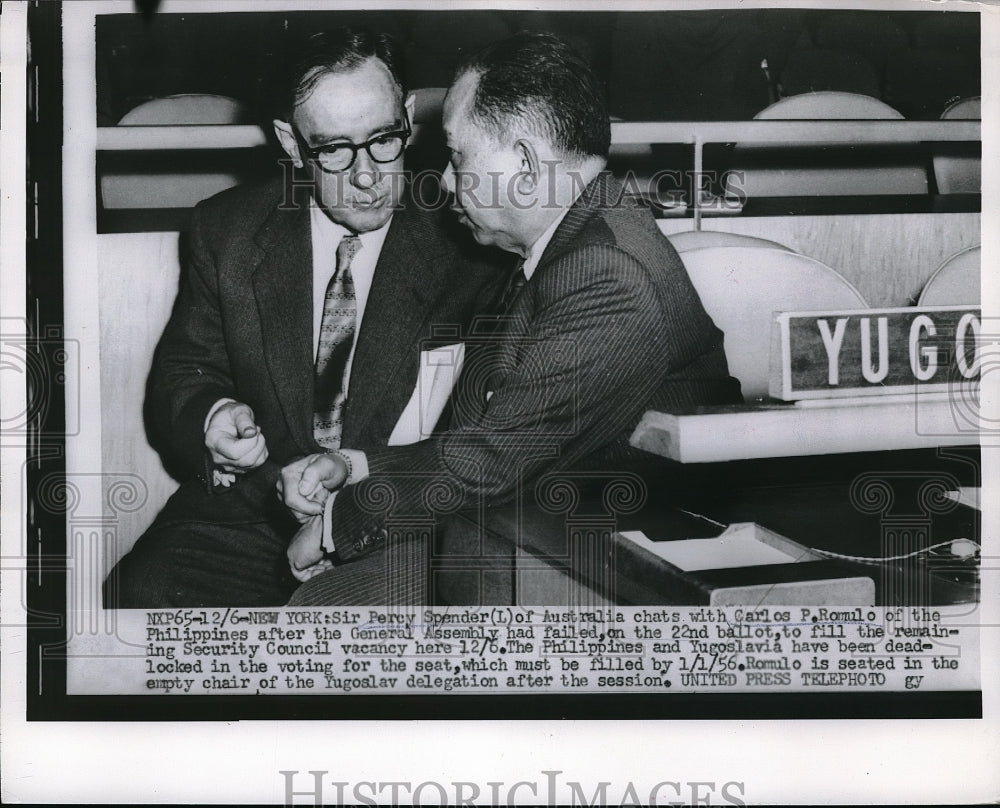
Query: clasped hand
pixel 304 487
pixel 306 483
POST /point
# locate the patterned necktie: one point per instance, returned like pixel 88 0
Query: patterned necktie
pixel 336 337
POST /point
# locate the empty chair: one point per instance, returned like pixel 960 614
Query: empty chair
pixel 958 167
pixel 741 288
pixel 812 70
pixel 154 181
pixel 921 82
pixel 827 169
pixel 187 108
pixel 831 105
pixel 696 239
pixel 956 282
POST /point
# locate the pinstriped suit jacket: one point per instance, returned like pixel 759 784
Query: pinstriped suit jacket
pixel 608 326
pixel 242 328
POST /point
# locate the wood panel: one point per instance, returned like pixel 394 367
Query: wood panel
pixel 138 275
pixel 888 257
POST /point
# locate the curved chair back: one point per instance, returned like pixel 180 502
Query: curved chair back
pixel 162 186
pixel 956 282
pixel 696 239
pixel 828 105
pixel 187 108
pixel 826 169
pixel 956 172
pixel 741 288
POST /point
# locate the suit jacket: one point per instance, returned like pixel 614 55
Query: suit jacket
pixel 608 326
pixel 242 327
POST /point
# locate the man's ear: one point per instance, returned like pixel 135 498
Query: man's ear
pixel 286 137
pixel 529 169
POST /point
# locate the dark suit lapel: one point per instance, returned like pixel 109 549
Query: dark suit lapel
pixel 571 234
pixel 601 193
pixel 407 280
pixel 282 285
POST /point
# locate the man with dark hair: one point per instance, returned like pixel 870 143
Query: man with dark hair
pixel 299 327
pixel 601 323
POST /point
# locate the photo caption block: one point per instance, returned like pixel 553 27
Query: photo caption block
pixel 339 651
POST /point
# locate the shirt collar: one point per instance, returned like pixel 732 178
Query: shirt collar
pixel 371 241
pixel 538 248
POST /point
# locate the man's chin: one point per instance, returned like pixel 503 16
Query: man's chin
pixel 363 219
pixel 485 238
pixel 478 234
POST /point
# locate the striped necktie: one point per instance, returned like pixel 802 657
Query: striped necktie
pixel 514 286
pixel 336 338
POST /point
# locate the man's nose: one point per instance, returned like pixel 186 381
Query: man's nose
pixel 448 179
pixel 364 172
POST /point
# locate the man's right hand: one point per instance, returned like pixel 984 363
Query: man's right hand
pixel 306 483
pixel 234 439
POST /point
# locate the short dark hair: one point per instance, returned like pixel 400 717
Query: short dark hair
pixel 539 80
pixel 333 51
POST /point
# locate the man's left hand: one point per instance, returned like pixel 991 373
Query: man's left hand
pixel 305 553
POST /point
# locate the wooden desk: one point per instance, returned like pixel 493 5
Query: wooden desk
pixel 528 553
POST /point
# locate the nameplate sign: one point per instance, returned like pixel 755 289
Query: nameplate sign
pixel 865 352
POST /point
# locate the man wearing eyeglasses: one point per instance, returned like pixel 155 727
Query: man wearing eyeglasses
pixel 299 327
pixel 601 323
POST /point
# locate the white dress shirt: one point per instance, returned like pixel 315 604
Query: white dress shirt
pixel 326 235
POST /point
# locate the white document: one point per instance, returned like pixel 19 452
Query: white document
pixel 972 497
pixel 439 369
pixel 736 547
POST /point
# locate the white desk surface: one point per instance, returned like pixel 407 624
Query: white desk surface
pixel 745 432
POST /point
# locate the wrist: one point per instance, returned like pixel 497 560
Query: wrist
pixel 346 459
pixel 356 461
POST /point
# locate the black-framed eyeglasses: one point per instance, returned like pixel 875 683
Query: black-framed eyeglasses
pixel 336 157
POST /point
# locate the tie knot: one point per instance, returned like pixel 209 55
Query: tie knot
pixel 346 250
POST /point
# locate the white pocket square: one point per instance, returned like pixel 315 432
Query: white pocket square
pixel 439 369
